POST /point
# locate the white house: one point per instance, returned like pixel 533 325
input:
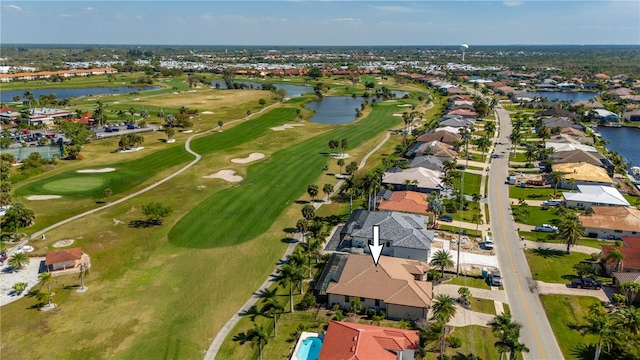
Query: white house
pixel 602 115
pixel 594 195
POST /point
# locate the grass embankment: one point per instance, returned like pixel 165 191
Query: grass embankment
pixel 516 192
pixel 281 179
pixel 536 215
pixel 564 312
pixel 470 281
pixel 555 266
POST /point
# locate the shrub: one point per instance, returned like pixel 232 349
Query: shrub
pixel 454 342
pixel 308 301
pixel 338 316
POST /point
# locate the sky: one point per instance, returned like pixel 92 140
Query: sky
pixel 320 22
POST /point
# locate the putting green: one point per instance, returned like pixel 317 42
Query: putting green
pixel 74 184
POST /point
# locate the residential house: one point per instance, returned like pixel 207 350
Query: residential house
pixel 456 121
pixel 464 113
pixel 63 259
pixel 561 122
pixel 556 112
pixel 352 341
pixel 631 262
pixel 602 115
pixel 582 174
pixel 434 148
pixel 560 147
pixel 428 162
pixel 441 136
pixel 629 115
pixel 418 179
pixel 614 221
pixel 588 104
pixel 403 235
pixel 578 156
pixel 570 139
pixel 594 195
pixel 397 286
pixel 406 202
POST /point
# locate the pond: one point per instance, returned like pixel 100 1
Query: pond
pixel 334 109
pixel 560 96
pixel 7 96
pixel 292 90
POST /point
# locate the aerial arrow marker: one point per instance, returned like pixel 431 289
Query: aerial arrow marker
pixel 376 248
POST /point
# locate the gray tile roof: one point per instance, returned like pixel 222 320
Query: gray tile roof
pixel 427 162
pixel 403 230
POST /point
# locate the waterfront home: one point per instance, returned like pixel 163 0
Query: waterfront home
pixel 582 174
pixel 594 195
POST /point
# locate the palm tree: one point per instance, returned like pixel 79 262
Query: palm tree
pixel 490 128
pixel 312 190
pixel 290 274
pixel 465 295
pixel 46 278
pixel 341 164
pixel 557 178
pixel 570 230
pixel 18 260
pixel 530 153
pixel 220 123
pixel 628 318
pixel 444 309
pixel 308 212
pixel 273 308
pixel 298 260
pixel 302 225
pixel 351 188
pixel 327 189
pixel 599 323
pixel 258 334
pixel 615 257
pixel 508 333
pixel 483 144
pixel 476 218
pixel 476 197
pixel 630 289
pixel 448 165
pixel 443 260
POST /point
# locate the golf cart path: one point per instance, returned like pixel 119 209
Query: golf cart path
pixel 231 323
pixel 130 196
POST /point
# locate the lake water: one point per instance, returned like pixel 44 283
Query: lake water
pixel 7 96
pixel 334 109
pixel 624 140
pixel 560 96
pixel 292 90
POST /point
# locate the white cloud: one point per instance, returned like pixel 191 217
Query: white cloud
pixel 90 9
pixel 206 16
pixel 513 3
pixel 65 15
pixel 14 7
pixel 139 17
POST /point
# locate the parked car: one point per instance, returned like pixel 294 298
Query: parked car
pixel 488 242
pixel 552 202
pixel 131 126
pixel 446 218
pixel 546 228
pixel 495 278
pixel 586 283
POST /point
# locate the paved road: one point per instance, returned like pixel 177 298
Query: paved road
pixel 521 290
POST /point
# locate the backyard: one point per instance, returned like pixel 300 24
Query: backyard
pixel 556 266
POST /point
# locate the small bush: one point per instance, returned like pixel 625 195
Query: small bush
pixel 308 301
pixel 338 316
pixel 454 342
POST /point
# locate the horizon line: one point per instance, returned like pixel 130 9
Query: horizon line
pixel 317 45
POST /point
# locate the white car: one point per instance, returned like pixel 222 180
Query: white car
pixel 546 228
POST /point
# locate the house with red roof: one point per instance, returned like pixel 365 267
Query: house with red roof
pixel 61 260
pixel 349 341
pixel 406 201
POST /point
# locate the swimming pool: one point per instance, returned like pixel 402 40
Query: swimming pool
pixel 310 349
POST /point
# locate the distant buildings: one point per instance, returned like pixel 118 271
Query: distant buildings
pixel 48 74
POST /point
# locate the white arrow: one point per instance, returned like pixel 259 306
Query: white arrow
pixel 376 248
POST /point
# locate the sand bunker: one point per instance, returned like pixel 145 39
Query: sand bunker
pixel 285 127
pixel 96 170
pixel 207 112
pixel 248 159
pixel 43 197
pixel 63 243
pixel 397 115
pixel 130 150
pixel 227 175
pixel 405 105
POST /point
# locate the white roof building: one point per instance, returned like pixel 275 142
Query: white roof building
pixel 559 147
pixel 594 195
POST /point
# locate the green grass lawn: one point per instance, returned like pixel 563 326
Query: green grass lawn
pixel 477 343
pixel 536 215
pixel 281 178
pixel 470 281
pixel 471 183
pixel 454 229
pixel 555 266
pixel 517 157
pixel 564 312
pixel 74 184
pixel 543 237
pixel 531 193
pixel 483 305
pixel 633 200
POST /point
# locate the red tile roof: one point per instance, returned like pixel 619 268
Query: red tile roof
pixel 406 201
pixel 59 256
pixel 631 255
pixel 349 341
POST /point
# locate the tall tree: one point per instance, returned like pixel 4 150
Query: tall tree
pixel 308 212
pixel 344 143
pixel 615 257
pixel 273 308
pixel 340 164
pixel 570 230
pixel 313 190
pixel 600 324
pixel 229 75
pixel 46 279
pixel 108 192
pixel 302 225
pixel 444 309
pixel 556 177
pixel 17 217
pixel 259 335
pixel 18 260
pixel 508 333
pixel 327 189
pixel 442 259
pixel 290 274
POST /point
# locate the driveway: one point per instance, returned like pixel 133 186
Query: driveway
pixel 567 289
pixel 28 274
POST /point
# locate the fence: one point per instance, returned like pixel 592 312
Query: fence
pixel 47 151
